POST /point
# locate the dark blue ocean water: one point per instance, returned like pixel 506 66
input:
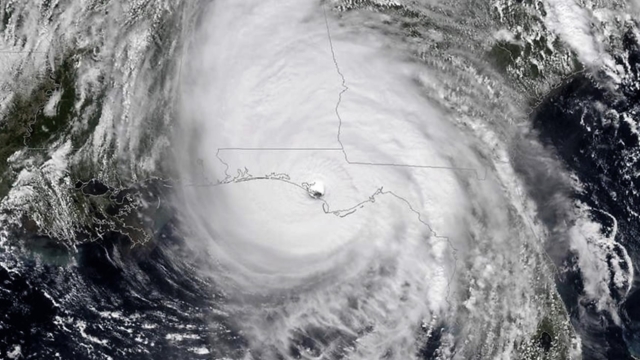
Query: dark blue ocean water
pixel 107 299
pixel 590 125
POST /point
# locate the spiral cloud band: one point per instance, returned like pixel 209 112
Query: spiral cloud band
pixel 342 196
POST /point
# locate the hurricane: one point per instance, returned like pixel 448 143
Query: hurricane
pixel 297 96
pixel 304 179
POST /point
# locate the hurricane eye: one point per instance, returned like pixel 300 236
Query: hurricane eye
pixel 316 190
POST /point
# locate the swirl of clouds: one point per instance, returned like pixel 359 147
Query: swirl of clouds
pixel 421 227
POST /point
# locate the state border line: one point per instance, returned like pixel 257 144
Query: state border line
pixel 416 166
pixel 345 88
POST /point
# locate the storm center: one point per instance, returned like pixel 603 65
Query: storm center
pixel 315 189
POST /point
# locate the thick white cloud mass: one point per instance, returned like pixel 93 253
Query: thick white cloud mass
pixel 410 234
